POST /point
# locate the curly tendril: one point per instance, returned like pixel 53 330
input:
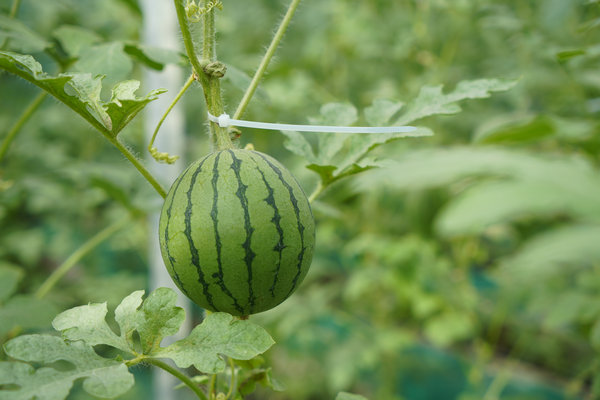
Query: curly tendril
pixel 194 12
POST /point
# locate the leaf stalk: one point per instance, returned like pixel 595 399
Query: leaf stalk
pixel 210 81
pixel 81 252
pixel 14 131
pixel 285 22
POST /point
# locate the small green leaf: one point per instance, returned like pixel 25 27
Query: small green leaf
pixel 153 57
pixel 81 93
pixel 258 376
pixel 159 317
pixel 349 396
pixel 107 59
pixel 74 38
pixel 431 100
pixel 20 37
pixel 326 172
pixel 88 90
pixel 102 378
pixel 10 276
pixel 88 323
pixel 218 335
pixel 124 105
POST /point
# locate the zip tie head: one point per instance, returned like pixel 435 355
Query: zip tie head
pixel 223 120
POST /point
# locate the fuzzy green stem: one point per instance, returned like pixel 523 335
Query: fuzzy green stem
pixel 35 104
pixel 188 42
pixel 209 51
pixel 210 83
pixel 318 190
pixel 178 374
pixel 140 167
pixel 81 252
pixel 110 136
pixel 212 92
pixel 185 87
pixel 266 59
pixel 231 392
pixel 211 387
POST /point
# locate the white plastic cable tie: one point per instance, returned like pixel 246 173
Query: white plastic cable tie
pixel 225 121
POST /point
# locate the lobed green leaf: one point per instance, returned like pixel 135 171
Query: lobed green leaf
pixel 158 317
pixel 101 377
pixel 432 101
pixel 218 335
pixel 340 154
pixel 81 92
pixel 88 323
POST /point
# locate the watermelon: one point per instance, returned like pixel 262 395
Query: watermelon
pixel 236 232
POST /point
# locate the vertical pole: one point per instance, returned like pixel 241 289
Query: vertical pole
pixel 161 30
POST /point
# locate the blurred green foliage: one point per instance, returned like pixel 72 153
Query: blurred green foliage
pixel 467 267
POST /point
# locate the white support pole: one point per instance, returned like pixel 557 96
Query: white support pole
pixel 161 30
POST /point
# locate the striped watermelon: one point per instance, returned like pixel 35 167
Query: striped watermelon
pixel 237 232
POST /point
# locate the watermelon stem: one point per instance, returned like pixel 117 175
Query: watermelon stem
pixel 176 373
pixel 264 63
pixel 208 77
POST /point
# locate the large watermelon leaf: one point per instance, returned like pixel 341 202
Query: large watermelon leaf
pixel 81 93
pixel 101 377
pixel 153 319
pixel 88 323
pixel 340 155
pixel 432 101
pixel 158 318
pixel 218 334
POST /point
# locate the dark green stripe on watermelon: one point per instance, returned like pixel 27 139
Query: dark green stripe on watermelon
pixel 237 234
pixel 301 227
pixel 169 259
pixel 214 216
pixel 270 199
pixel 241 194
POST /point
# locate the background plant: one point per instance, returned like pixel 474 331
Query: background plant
pixel 465 268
